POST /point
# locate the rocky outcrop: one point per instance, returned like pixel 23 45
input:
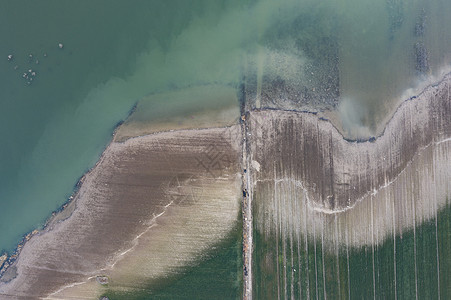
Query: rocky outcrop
pixel 2 260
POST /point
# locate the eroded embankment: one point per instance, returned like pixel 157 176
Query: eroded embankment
pixel 151 205
pixel 311 181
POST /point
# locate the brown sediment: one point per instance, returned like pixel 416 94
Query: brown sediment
pixel 204 119
pixel 140 195
pixel 181 110
pixel 348 188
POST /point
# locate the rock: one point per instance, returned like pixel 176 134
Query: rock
pixel 61 46
pixel 421 58
pixel 3 259
pixel 3 269
pixel 102 280
pixel 420 25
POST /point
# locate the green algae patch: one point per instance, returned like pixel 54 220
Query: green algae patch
pixel 216 276
pixel 416 263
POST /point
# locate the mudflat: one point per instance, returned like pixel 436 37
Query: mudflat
pixel 310 180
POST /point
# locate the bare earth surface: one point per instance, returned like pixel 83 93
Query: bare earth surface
pixel 311 181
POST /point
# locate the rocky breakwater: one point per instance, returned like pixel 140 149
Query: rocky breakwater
pixel 151 205
pixel 3 259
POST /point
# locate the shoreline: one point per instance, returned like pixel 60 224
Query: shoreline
pixel 322 116
pixel 55 216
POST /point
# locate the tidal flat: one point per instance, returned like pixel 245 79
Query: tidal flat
pixel 155 204
pixel 352 218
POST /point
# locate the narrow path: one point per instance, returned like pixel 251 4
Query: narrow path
pixel 247 213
